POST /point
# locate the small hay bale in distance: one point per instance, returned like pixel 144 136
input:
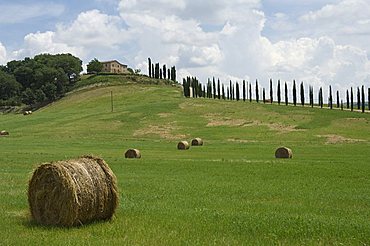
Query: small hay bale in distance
pixel 27 112
pixel 197 142
pixel 133 153
pixel 73 192
pixel 4 133
pixel 283 152
pixel 183 145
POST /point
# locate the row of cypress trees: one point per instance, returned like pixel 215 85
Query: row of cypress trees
pixel 161 72
pixel 217 90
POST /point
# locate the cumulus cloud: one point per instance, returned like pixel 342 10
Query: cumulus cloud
pixel 3 57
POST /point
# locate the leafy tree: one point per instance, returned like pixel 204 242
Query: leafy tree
pixel 94 66
pixel 28 96
pixel 9 87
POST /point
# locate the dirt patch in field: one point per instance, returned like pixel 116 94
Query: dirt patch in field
pixel 187 105
pixel 218 120
pixel 163 131
pixel 336 139
pixel 164 115
pixel 235 140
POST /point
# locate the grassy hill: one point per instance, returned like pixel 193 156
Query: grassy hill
pixel 231 191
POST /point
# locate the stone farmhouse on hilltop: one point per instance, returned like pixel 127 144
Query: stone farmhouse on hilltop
pixel 114 67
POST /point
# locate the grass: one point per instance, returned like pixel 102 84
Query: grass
pixel 231 191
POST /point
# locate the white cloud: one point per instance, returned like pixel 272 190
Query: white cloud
pixel 3 56
pixel 17 13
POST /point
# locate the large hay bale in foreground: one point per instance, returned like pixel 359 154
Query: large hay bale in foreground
pixel 4 133
pixel 73 192
pixel 183 145
pixel 283 152
pixel 133 153
pixel 197 142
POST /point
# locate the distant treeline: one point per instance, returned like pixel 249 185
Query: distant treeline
pixel 38 80
pixel 161 72
pixel 217 90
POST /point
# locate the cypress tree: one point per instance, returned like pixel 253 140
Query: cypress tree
pixel 173 74
pixel 193 86
pixel 231 90
pixel 312 96
pixel 150 67
pixel 228 94
pixel 160 74
pixel 257 94
pixel 351 99
pixel 358 98
pixel 250 92
pixel 341 105
pixel 169 74
pixel 302 94
pixel 263 95
pixel 184 86
pixel 244 90
pixel 330 98
pixel 164 72
pixel 152 70
pixel 218 89
pixel 338 103
pixel 271 92
pixel 294 94
pixel 237 91
pixel 368 95
pixel 286 94
pixel 321 98
pixel 363 99
pixel 223 91
pixel 156 72
pixel 278 92
pixel 214 88
pixel 247 86
pixel 347 99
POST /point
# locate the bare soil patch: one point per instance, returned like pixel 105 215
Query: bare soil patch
pixel 336 139
pixel 163 131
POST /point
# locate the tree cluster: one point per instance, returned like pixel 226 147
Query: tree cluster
pixel 41 79
pixel 157 71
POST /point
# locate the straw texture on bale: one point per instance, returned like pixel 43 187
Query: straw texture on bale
pixel 197 142
pixel 4 133
pixel 183 145
pixel 133 153
pixel 73 192
pixel 283 152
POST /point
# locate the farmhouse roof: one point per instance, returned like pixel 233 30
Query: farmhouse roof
pixel 114 61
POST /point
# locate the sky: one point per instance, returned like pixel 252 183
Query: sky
pixel 319 42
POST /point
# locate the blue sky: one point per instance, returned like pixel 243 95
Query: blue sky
pixel 320 42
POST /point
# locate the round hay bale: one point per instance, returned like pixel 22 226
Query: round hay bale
pixel 183 145
pixel 133 153
pixel 73 192
pixel 283 152
pixel 197 142
pixel 4 133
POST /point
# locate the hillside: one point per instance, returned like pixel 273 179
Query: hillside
pixel 230 191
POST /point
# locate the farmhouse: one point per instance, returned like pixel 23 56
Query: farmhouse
pixel 114 67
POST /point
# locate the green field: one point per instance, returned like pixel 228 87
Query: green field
pixel 231 191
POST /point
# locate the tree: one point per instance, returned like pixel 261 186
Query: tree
pixel 156 71
pixel 237 91
pixel 173 74
pixel 9 87
pixel 150 67
pixel 278 92
pixel 263 95
pixel 214 88
pixel 351 99
pixel 338 103
pixel 218 89
pixel 294 93
pixel 244 92
pixel 164 72
pixel 321 98
pixel 153 72
pixel 302 94
pixel 160 73
pixel 250 92
pixel 271 92
pixel 368 95
pixel 223 92
pixel 94 66
pixel 257 95
pixel 363 99
pixel 358 98
pixel 330 98
pixel 347 99
pixel 286 94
